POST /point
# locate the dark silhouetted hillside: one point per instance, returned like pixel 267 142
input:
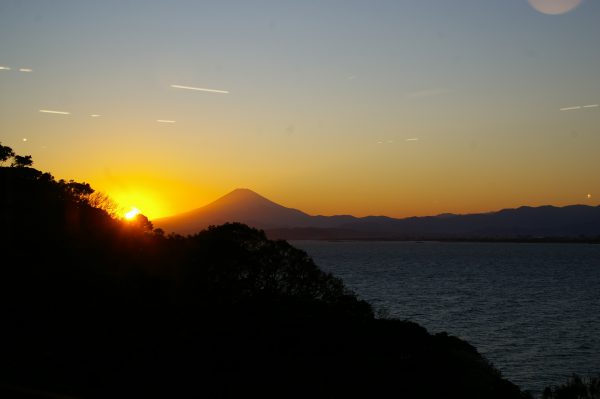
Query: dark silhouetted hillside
pixel 95 307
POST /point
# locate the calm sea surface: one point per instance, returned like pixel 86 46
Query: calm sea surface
pixel 533 310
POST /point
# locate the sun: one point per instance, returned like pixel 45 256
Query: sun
pixel 141 199
pixel 132 213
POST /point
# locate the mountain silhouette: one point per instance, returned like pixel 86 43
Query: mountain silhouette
pixel 248 207
pixel 241 205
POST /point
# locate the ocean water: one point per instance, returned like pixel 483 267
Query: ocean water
pixel 533 310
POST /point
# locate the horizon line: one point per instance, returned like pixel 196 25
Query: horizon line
pixel 380 215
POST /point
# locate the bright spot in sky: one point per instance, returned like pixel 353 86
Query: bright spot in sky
pixel 95 115
pixel 200 89
pixel 554 7
pixel 589 196
pixel 25 70
pixel 4 68
pixel 24 139
pixel 165 121
pixel 132 213
pixel 131 196
pixel 49 111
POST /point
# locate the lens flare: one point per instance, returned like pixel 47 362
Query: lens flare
pixel 554 7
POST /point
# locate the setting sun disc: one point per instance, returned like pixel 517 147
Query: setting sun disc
pixel 132 213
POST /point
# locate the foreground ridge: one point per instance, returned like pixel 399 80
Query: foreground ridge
pixel 104 308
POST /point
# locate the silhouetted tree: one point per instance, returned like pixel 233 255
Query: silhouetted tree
pixel 576 387
pixel 5 153
pixel 77 191
pixel 102 201
pixel 141 221
pixel 22 161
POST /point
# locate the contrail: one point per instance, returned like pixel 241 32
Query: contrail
pixel 165 121
pixel 591 106
pixel 48 111
pixel 413 139
pixel 200 89
pixel 570 108
pixel 25 70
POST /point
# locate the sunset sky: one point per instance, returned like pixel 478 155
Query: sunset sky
pixel 400 108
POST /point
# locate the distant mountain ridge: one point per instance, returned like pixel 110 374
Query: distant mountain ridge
pixel 246 206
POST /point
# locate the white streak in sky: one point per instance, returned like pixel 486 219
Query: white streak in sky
pixel 413 139
pixel 25 70
pixel 95 115
pixel 570 108
pixel 4 68
pixel 200 89
pixel 48 111
pixel 591 106
pixel 165 121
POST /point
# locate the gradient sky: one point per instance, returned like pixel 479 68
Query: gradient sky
pixel 401 108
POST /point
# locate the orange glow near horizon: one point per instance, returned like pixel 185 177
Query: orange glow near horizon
pixel 154 194
pixel 372 182
pixel 134 201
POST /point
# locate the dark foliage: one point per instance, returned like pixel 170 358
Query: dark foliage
pixel 5 153
pixel 95 307
pixel 576 387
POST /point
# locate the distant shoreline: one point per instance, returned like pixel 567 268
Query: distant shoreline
pixel 457 240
